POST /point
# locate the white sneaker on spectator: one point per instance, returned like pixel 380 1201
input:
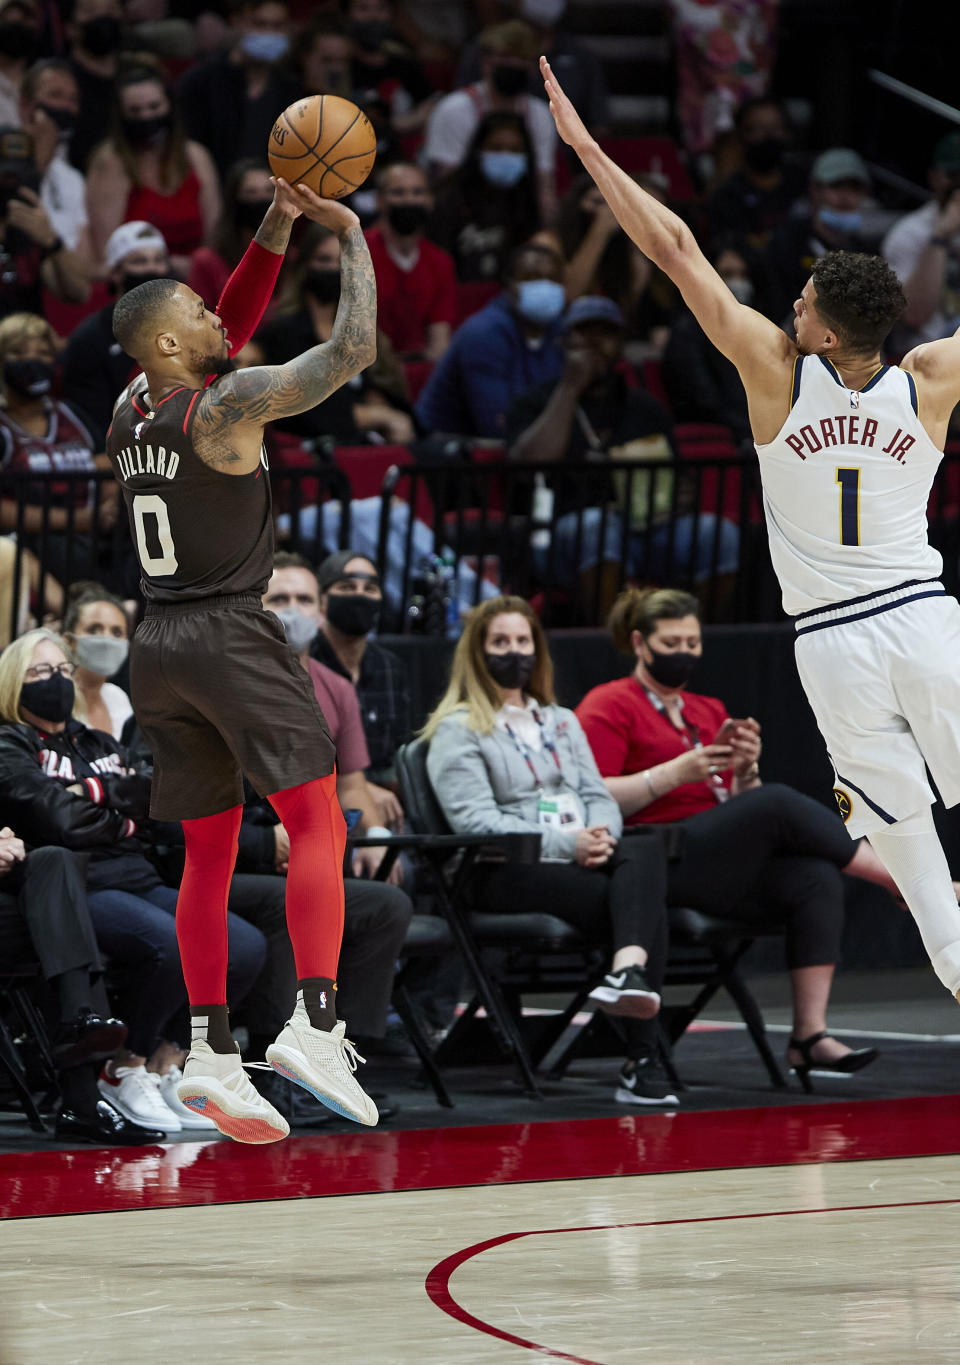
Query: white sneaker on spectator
pixel 215 1085
pixel 132 1090
pixel 167 1085
pixel 323 1063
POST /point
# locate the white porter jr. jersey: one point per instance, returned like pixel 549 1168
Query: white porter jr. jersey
pixel 845 488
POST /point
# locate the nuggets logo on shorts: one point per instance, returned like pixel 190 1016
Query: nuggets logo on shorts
pixel 844 802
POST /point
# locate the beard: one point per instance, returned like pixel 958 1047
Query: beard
pixel 217 364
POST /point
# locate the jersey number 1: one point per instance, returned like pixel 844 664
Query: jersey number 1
pixel 152 505
pixel 849 481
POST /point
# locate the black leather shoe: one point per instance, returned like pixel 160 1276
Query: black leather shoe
pixel 106 1127
pixel 86 1038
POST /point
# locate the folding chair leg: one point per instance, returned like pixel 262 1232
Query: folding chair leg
pixel 743 998
pixel 405 1008
pixel 33 1022
pixel 14 1068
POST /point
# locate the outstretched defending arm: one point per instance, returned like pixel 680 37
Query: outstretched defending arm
pixel 231 414
pixel 744 336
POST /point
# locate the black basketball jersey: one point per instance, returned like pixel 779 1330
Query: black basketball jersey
pixel 198 532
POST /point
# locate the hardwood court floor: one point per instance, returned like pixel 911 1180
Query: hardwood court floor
pixel 841 1254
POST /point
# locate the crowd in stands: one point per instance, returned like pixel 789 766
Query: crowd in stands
pixel 515 317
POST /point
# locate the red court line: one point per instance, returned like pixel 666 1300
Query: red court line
pixel 106 1179
pixel 438 1280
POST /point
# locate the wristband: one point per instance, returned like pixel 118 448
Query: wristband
pixel 751 774
pixel 649 781
pixel 51 250
pixel 377 832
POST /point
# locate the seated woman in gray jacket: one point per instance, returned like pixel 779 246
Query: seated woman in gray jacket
pixel 505 758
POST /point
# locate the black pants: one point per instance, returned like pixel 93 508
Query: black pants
pixel 375 923
pixel 770 856
pixel 621 903
pixel 44 918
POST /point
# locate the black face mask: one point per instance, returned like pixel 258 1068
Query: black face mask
pixel 324 285
pixel 147 132
pixel 674 669
pixel 101 36
pixel 128 280
pixel 406 219
pixel 65 119
pixel 509 80
pixel 510 670
pixel 18 41
pixel 49 699
pixel 353 613
pixel 765 156
pixel 250 215
pixel 28 378
pixel 371 36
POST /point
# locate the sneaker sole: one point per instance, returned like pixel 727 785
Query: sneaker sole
pixel 241 1127
pixel 629 1004
pixel 284 1062
pixel 624 1096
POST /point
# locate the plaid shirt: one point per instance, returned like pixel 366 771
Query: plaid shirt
pixel 384 702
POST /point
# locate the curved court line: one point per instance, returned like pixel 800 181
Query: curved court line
pixel 437 1283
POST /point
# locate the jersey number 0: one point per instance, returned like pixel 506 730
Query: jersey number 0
pixel 849 481
pixel 153 506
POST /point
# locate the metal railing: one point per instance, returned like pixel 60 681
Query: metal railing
pixel 566 536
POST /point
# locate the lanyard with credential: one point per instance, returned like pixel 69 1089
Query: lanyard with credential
pixel 690 736
pixel 525 753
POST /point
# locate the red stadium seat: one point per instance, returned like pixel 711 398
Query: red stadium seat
pixel 416 373
pixel 653 155
pixel 473 296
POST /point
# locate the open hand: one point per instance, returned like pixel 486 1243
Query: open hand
pixel 570 125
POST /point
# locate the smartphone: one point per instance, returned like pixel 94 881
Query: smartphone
pixel 725 733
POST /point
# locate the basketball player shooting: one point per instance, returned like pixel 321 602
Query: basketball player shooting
pixel 216 689
pixel 848 450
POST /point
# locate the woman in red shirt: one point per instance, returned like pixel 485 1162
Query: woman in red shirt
pixel 669 755
pixel 148 169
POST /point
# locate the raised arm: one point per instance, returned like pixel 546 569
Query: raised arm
pixel 744 336
pixel 935 366
pixel 230 416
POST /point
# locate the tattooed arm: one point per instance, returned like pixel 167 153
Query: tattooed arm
pixel 228 425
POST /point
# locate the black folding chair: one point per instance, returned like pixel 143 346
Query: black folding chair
pixel 16 1004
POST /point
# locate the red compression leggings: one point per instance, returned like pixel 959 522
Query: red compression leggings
pixel 312 818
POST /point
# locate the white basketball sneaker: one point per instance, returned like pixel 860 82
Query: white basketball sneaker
pixel 323 1063
pixel 133 1091
pixel 167 1085
pixel 215 1085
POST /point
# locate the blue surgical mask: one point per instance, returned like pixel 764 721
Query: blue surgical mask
pixel 503 169
pixel 841 220
pixel 265 47
pixel 541 301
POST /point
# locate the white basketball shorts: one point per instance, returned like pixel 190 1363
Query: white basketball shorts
pixel 882 675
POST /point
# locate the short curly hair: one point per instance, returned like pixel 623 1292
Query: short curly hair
pixel 859 297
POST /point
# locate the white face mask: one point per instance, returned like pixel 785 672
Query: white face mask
pixel 101 654
pixel 741 288
pixel 300 629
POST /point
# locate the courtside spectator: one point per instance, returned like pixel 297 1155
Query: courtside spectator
pixel 247 194
pixel 833 221
pixel 504 757
pixel 19 47
pixel 94 30
pixel 350 604
pixel 755 199
pixel 416 281
pixel 95 366
pixel 487 207
pixel 33 255
pixel 507 348
pixel 95 629
pixel 701 383
pixel 230 102
pixel 924 249
pixel 508 66
pixel 371 404
pixel 148 169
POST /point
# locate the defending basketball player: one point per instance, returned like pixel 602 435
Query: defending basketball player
pixel 848 451
pixel 216 689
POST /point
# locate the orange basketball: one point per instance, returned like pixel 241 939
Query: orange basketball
pixel 325 143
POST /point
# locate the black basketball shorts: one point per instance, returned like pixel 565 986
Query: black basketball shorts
pixel 218 693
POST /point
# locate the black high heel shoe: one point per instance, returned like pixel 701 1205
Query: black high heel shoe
pixel 846 1065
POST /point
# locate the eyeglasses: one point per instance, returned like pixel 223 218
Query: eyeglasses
pixel 41 672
